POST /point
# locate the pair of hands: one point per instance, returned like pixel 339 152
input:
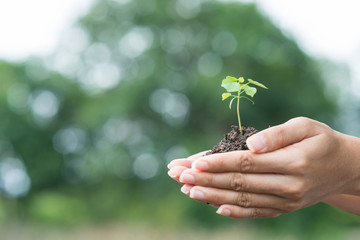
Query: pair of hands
pixel 288 167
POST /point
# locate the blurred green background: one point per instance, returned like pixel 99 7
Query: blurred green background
pixel 86 134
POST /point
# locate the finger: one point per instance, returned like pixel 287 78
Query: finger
pixel 238 212
pixel 280 136
pixel 186 189
pixel 175 172
pixel 242 199
pixel 186 162
pixel 256 183
pixel 180 163
pixel 245 162
pixel 198 155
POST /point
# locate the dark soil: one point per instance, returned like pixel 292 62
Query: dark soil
pixel 234 140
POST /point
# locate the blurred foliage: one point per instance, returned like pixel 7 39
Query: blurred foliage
pixel 54 208
pixel 86 133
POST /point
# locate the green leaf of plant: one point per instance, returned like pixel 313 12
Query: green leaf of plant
pixel 242 86
pixel 225 96
pixel 230 86
pixel 232 78
pixel 250 91
pixel 248 99
pixel 257 83
pixel 231 102
pixel 241 79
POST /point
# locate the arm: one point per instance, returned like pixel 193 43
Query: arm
pixel 348 203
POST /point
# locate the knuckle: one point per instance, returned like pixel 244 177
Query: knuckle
pixel 301 120
pixel 255 213
pixel 321 127
pixel 327 137
pixel 295 191
pixel 304 120
pixel 208 180
pixel 237 182
pixel 243 199
pixel 281 132
pixel 300 164
pixel 331 142
pixel 245 162
pixel 291 206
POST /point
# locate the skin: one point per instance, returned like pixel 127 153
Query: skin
pixel 288 167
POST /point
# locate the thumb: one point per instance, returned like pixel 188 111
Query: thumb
pixel 280 136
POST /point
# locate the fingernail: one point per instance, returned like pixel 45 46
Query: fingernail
pixel 201 165
pixel 196 194
pixel 169 165
pixel 223 211
pixel 187 178
pixel 186 188
pixel 256 143
pixel 174 172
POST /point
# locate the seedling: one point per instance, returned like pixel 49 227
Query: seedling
pixel 237 85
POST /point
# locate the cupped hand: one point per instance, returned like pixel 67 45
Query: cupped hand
pixel 288 167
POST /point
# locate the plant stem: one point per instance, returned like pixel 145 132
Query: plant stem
pixel 238 111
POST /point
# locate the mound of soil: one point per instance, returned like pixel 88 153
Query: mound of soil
pixel 234 140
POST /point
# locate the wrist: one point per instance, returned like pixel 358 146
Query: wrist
pixel 348 203
pixel 351 158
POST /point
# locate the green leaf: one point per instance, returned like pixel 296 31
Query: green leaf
pixel 230 86
pixel 231 102
pixel 242 86
pixel 248 99
pixel 257 83
pixel 232 78
pixel 241 79
pixel 250 91
pixel 225 96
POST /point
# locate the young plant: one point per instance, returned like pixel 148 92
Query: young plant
pixel 237 86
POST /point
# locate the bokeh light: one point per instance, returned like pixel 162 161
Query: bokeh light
pixel 146 166
pixel 173 107
pixel 188 9
pixel 224 49
pixel 174 152
pixel 14 180
pixel 210 64
pixel 70 140
pixel 44 104
pixel 136 42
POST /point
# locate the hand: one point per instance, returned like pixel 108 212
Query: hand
pixel 289 167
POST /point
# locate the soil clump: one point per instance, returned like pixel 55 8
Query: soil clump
pixel 234 140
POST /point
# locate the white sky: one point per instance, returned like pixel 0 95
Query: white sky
pixel 323 28
pixel 33 27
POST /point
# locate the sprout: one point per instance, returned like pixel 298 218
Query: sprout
pixel 233 85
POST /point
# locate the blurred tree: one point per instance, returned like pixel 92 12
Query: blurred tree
pixel 133 85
